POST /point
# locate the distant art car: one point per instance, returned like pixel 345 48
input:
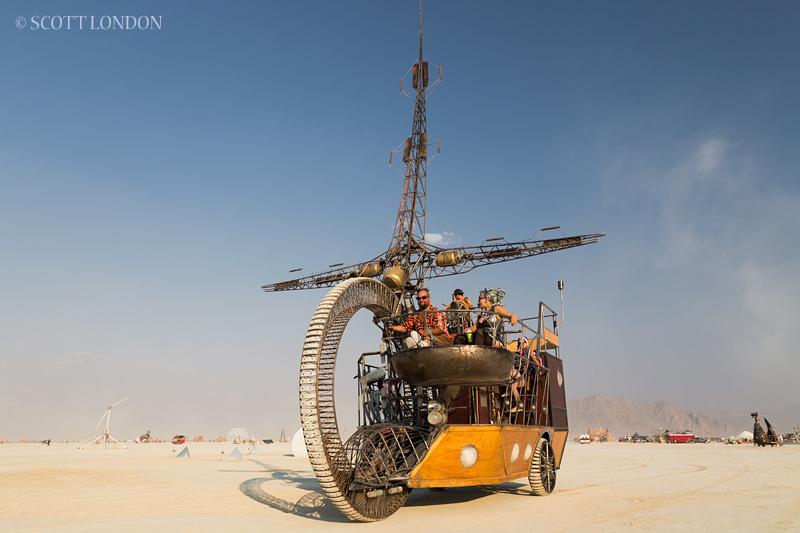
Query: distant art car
pixel 764 438
pixel 680 436
pixel 178 439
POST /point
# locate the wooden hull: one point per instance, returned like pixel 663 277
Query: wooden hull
pixel 503 454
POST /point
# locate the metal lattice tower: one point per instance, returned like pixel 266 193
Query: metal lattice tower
pixel 409 229
pixel 409 261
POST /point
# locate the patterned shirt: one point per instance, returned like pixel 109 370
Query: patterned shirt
pixel 433 319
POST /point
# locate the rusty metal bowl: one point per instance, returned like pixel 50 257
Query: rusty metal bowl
pixel 454 364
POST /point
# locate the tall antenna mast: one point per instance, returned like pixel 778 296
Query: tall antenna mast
pixel 409 260
pixel 409 228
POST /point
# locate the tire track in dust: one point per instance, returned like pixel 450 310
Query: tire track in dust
pixel 610 468
pixel 684 497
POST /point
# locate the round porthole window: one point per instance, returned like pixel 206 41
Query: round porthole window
pixel 469 456
pixel 515 453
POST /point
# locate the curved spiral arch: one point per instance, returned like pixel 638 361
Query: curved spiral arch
pixel 317 407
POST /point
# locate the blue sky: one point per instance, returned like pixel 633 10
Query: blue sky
pixel 153 180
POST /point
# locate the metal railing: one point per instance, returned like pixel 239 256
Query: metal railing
pixel 535 338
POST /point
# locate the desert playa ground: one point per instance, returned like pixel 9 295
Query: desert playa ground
pixel 600 486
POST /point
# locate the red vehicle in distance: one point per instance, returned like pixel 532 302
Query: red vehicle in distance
pixel 680 436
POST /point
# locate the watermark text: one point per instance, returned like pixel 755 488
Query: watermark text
pixel 90 22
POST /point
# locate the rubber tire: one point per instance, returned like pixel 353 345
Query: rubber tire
pixel 542 472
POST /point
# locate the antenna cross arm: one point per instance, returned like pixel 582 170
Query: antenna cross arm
pixel 437 262
pixel 448 262
pixel 329 278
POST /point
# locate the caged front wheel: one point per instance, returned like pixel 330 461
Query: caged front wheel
pixel 336 464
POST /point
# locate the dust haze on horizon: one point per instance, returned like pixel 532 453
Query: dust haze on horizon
pixel 153 180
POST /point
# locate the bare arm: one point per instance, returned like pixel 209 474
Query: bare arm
pixel 502 312
pixel 404 328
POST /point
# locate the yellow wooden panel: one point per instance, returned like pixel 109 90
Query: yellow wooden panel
pixel 525 440
pixel 550 338
pixel 442 466
pixel 559 441
pixel 443 460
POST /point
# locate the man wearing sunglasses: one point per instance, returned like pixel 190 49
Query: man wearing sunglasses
pixel 427 327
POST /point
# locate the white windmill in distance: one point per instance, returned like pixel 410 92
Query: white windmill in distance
pixel 105 436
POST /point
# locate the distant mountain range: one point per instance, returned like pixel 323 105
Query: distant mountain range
pixel 621 416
